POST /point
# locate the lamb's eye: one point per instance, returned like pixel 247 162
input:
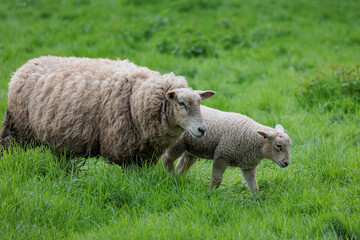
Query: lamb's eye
pixel 181 104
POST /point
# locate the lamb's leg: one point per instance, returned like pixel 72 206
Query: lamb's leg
pixel 217 172
pixel 170 155
pixel 185 163
pixel 168 159
pixel 250 178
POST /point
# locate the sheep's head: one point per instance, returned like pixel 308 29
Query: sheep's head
pixel 186 109
pixel 276 145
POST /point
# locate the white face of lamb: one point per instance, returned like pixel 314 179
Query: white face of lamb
pixel 277 146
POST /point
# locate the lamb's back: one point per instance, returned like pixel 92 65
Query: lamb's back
pixel 231 136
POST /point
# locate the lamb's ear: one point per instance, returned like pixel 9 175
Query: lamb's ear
pixel 205 94
pixel 267 134
pixel 261 133
pixel 280 128
pixel 170 95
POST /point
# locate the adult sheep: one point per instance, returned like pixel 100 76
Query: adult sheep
pixel 232 139
pixel 115 109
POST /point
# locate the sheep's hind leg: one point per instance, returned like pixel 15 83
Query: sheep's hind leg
pixel 8 133
pixel 185 163
pixel 5 144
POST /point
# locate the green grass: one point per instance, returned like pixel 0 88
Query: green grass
pixel 255 55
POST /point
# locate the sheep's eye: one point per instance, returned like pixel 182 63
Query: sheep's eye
pixel 279 146
pixel 182 104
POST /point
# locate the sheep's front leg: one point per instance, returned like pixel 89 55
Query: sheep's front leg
pixel 217 172
pixel 185 162
pixel 170 155
pixel 250 178
pixel 168 161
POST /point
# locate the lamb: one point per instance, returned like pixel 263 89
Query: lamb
pixel 111 108
pixel 231 139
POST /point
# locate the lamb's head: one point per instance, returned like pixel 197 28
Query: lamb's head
pixel 276 145
pixel 185 104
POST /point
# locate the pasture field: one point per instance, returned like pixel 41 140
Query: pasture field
pixel 290 62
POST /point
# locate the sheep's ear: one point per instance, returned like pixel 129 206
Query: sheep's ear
pixel 170 95
pixel 280 128
pixel 261 133
pixel 267 134
pixel 205 94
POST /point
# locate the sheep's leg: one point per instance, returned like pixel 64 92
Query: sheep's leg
pixel 170 155
pixel 168 160
pixel 5 143
pixel 250 178
pixel 8 133
pixel 185 163
pixel 217 172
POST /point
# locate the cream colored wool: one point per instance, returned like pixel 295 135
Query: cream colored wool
pixel 110 108
pixel 231 139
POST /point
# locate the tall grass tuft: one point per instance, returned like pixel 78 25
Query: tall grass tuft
pixel 338 88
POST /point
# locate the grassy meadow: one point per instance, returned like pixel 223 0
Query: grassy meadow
pixel 290 62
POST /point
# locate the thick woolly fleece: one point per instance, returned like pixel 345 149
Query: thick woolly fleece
pixel 230 136
pixel 231 139
pixel 112 108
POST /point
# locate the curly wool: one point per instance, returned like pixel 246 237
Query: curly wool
pixel 232 139
pixel 231 135
pixel 112 108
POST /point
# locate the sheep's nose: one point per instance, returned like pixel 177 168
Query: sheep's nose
pixel 286 164
pixel 201 130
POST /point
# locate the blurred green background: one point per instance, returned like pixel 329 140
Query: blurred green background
pixel 290 62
